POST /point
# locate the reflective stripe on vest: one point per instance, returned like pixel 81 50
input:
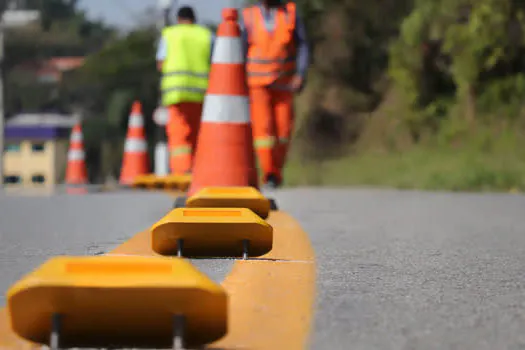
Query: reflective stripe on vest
pixel 187 65
pixel 180 150
pixel 271 57
pixel 264 142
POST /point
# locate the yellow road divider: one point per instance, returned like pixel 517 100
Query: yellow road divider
pixel 271 305
pixel 144 181
pixel 177 182
pixel 212 232
pixel 231 197
pixel 170 182
pixel 118 301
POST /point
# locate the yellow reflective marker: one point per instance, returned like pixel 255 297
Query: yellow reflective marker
pixel 212 232
pixel 231 197
pixel 177 182
pixel 170 182
pixel 118 301
pixel 144 181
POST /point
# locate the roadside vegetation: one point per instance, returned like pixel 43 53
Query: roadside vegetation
pixel 414 94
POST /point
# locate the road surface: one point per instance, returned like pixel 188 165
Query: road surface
pixel 396 270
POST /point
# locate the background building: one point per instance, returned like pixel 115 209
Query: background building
pixel 35 151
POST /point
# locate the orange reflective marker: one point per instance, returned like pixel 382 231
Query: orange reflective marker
pixel 118 301
pixel 232 197
pixel 177 182
pixel 144 181
pixel 170 182
pixel 212 232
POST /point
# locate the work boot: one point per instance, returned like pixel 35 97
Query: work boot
pixel 272 182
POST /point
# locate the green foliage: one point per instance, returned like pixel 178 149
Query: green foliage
pixel 490 161
pixel 472 44
pixel 129 62
pixel 503 98
pixel 118 104
pixel 477 44
pixel 64 31
pixel 124 66
pixel 448 62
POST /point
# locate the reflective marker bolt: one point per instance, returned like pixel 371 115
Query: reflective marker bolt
pixel 178 332
pixel 180 246
pixel 245 247
pixel 55 332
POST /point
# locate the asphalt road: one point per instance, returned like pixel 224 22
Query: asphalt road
pixel 33 229
pixel 396 270
pixel 409 270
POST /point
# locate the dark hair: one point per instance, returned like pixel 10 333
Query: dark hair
pixel 187 13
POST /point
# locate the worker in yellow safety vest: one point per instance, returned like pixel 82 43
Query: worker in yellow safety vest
pixel 184 58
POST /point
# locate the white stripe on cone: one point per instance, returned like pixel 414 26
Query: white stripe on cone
pixel 75 154
pixel 135 146
pixel 226 109
pixel 228 50
pixel 76 137
pixel 136 121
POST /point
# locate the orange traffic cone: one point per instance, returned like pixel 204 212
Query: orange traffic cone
pixel 225 154
pixel 76 173
pixel 135 161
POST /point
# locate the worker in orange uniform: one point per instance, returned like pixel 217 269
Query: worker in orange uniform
pixel 277 58
pixel 184 58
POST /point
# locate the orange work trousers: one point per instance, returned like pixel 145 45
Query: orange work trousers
pixel 272 113
pixel 182 131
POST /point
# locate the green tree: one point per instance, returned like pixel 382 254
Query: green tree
pixel 106 86
pixel 472 45
pixel 69 33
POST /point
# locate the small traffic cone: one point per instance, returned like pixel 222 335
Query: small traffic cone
pixel 135 161
pixel 76 172
pixel 225 154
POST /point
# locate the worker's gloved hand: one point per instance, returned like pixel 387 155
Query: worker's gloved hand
pixel 297 83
